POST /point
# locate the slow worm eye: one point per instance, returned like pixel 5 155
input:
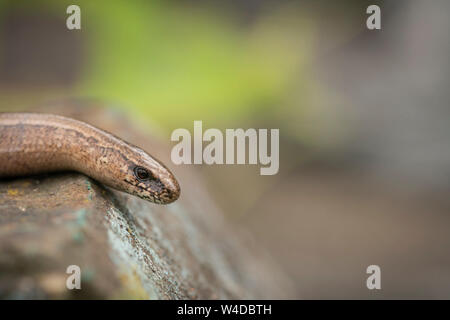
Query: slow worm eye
pixel 142 173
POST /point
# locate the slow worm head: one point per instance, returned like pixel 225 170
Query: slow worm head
pixel 32 143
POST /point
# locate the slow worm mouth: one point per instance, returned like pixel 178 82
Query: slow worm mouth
pixel 134 185
pixel 158 197
pixel 124 180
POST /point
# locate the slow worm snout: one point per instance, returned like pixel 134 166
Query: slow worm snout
pixel 32 143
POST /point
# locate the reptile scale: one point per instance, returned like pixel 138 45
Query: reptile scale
pixel 33 143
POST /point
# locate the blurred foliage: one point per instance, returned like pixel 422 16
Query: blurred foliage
pixel 181 63
pixel 175 62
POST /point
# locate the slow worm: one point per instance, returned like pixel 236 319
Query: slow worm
pixel 33 143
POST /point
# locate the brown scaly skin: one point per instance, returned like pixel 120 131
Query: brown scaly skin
pixel 32 143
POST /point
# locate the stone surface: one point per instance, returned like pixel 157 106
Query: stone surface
pixel 126 247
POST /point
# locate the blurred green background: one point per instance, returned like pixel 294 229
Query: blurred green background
pixel 165 58
pixel 363 117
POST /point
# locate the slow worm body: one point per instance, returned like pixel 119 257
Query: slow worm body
pixel 32 143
